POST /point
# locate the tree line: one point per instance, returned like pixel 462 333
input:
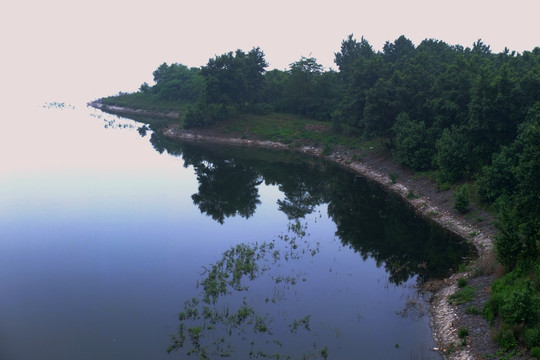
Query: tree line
pixel 464 114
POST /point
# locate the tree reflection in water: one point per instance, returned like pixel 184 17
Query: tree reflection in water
pixel 226 188
pixel 372 221
pixel 223 319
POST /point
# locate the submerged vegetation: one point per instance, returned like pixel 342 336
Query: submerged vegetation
pixel 463 115
pixel 224 321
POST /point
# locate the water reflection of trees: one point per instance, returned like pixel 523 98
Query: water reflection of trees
pixel 371 221
pixel 379 225
pixel 302 185
pixel 226 188
pixel 228 185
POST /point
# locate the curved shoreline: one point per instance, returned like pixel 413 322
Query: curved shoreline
pixel 444 317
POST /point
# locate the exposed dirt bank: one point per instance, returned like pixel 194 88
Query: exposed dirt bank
pixel 476 226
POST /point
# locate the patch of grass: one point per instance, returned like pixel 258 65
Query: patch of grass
pixel 411 195
pixel 432 213
pixel 462 282
pixel 442 186
pixel 463 332
pixel 462 296
pixel 472 310
pixel 288 128
pixel 464 268
pixel 327 150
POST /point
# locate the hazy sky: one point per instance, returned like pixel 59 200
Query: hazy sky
pixel 84 50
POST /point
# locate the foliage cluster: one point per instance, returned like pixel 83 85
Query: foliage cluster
pixel 515 300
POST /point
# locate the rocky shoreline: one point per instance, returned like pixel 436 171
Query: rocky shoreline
pixel 433 204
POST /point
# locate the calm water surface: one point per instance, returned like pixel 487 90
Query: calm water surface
pixel 115 245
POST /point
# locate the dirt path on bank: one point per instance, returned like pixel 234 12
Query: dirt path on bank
pixel 475 226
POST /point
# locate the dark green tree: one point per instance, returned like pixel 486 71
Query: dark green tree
pixel 398 52
pixel 411 146
pixel 499 178
pixel 528 176
pixel 452 155
pixel 351 50
pixel 234 79
pixel 274 84
pixel 177 82
pixel 509 241
pixel 360 68
pixel 301 87
pixel 492 122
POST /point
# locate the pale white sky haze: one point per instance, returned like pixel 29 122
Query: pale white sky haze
pixel 83 50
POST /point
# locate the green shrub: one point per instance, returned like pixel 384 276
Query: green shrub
pixel 452 155
pixel 260 109
pixel 472 310
pixel 463 332
pixel 463 295
pixel 499 177
pixel 442 186
pixel 327 150
pixel 206 114
pixel 506 338
pixel 461 199
pixel 489 311
pixel 531 337
pixel 535 352
pixel 411 195
pixel 508 244
pixel 411 143
pixel 519 305
pixel 462 282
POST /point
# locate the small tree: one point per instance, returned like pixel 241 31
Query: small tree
pixel 508 243
pixel 145 88
pixel 451 156
pixel 461 199
pixel 411 144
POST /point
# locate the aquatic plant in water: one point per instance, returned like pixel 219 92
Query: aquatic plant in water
pixel 221 321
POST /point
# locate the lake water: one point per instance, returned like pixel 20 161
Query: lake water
pixel 115 245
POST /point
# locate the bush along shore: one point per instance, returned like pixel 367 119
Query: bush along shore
pixel 427 199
